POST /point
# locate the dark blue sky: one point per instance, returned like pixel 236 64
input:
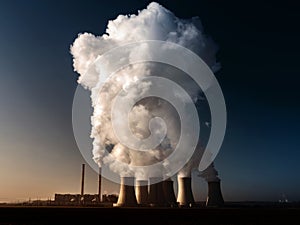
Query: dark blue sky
pixel 259 53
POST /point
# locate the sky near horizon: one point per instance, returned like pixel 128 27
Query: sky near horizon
pixel 259 53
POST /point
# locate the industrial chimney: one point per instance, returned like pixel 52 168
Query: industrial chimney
pixel 156 194
pixel 141 192
pixel 82 179
pixel 169 194
pixel 126 195
pixel 99 184
pixel 185 196
pixel 214 197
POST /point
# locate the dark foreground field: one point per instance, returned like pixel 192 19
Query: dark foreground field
pixel 155 216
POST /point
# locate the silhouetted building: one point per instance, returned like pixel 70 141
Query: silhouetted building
pixel 76 199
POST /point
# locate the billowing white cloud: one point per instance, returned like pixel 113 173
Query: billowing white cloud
pixel 153 23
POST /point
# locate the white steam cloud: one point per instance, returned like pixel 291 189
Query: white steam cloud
pixel 153 23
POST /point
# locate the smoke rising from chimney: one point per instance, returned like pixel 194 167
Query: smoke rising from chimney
pixel 153 23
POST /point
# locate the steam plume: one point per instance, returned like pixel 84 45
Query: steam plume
pixel 153 23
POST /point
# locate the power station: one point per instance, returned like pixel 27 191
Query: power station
pixel 145 193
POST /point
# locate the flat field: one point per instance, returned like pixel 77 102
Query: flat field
pixel 15 215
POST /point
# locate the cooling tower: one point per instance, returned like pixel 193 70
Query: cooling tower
pixel 169 194
pixel 214 197
pixel 126 195
pixel 141 192
pixel 185 196
pixel 156 194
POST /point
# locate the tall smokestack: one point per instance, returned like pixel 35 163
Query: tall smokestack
pixel 82 179
pixel 126 195
pixel 169 194
pixel 141 192
pixel 156 194
pixel 214 197
pixel 99 184
pixel 185 196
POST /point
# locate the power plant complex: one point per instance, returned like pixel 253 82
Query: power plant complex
pixel 140 117
pixel 145 193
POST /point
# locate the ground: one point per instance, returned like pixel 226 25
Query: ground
pixel 182 216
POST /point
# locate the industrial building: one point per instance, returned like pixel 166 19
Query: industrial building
pixel 134 193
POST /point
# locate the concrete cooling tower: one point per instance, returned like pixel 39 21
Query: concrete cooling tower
pixel 156 194
pixel 185 196
pixel 141 192
pixel 127 195
pixel 169 194
pixel 214 197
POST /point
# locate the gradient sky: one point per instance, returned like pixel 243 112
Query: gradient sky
pixel 259 53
